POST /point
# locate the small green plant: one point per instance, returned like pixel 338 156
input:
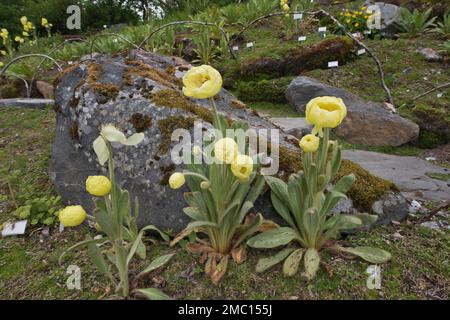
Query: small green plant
pixel 306 200
pixel 443 27
pixel 43 210
pixel 113 217
pixel 415 22
pixel 206 51
pixel 223 186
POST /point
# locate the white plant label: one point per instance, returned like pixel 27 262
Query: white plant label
pixel 361 51
pixel 298 16
pixel 367 31
pixel 355 35
pixel 235 48
pixel 14 229
pixel 250 45
pixel 322 29
pixel 439 95
pixel 302 38
pixel 333 64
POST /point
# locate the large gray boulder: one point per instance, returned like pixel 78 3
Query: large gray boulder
pixel 390 17
pixel 367 123
pixel 140 92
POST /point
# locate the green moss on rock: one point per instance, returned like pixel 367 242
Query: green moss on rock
pixel 175 99
pixel 264 90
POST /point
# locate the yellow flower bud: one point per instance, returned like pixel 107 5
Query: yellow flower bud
pixel 44 22
pixel 242 167
pixel 176 180
pixel 202 82
pixel 25 34
pixel 98 186
pixel 72 216
pixel 204 185
pixel 325 112
pixel 286 7
pixel 23 20
pixel 1 64
pixel 225 150
pixel 309 143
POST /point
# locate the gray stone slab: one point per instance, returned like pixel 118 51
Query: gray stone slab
pixel 408 173
pixel 296 126
pixel 27 103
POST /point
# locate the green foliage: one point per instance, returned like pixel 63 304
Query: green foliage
pixel 305 203
pixel 218 206
pixel 429 139
pixel 43 210
pixel 415 22
pixel 205 48
pixel 443 27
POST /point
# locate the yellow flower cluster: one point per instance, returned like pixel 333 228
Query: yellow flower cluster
pixel 4 34
pixel 45 24
pixel 19 39
pixel 354 20
pixel 27 25
pixel 285 6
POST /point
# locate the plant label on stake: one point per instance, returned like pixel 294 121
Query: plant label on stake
pixel 439 95
pixel 333 64
pixel 298 16
pixel 361 51
pixel 302 38
pixel 235 48
pixel 322 29
pixel 14 229
pixel 250 45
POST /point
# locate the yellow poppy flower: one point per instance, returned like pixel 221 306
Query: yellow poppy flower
pixel 242 167
pixel 325 112
pixel 225 150
pixel 202 82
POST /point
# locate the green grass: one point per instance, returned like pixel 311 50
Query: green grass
pixel 29 266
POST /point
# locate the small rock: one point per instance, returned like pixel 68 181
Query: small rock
pixel 45 89
pixel 414 207
pixel 430 55
pixel 434 225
